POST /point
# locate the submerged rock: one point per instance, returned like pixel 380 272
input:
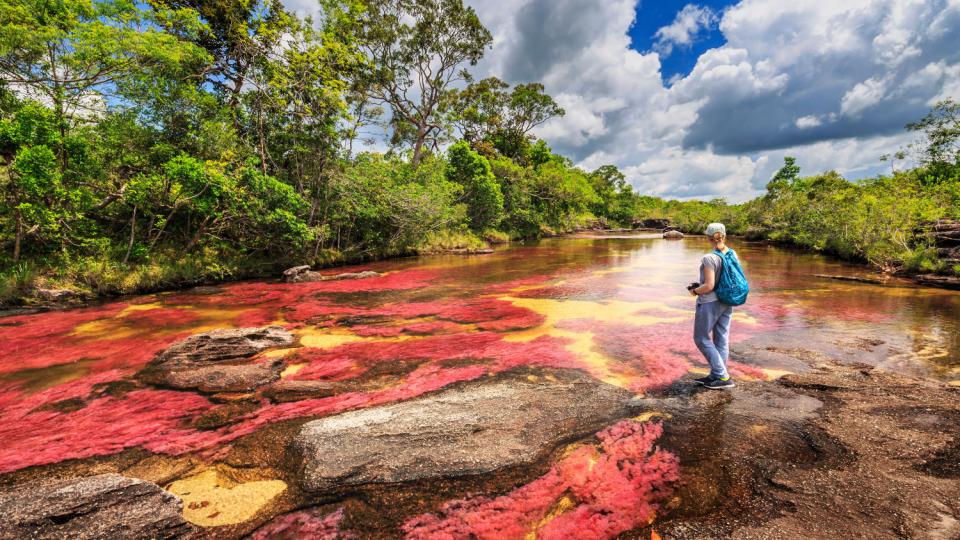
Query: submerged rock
pixel 217 361
pixel 286 390
pixel 934 280
pixel 102 506
pixel 475 428
pixel 300 274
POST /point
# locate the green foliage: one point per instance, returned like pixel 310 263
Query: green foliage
pixel 480 189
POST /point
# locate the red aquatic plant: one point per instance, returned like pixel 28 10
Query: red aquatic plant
pixel 592 493
pixel 36 431
pixel 314 524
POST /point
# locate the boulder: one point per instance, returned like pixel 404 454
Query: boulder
pixel 301 274
pixel 102 506
pixel 219 361
pixel 469 251
pixel 55 295
pixel 473 428
pixel 291 390
pixel 934 280
pixel 673 234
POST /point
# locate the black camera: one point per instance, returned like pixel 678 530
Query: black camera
pixel 692 286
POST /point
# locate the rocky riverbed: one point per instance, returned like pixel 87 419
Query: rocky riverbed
pixel 542 392
pixel 840 450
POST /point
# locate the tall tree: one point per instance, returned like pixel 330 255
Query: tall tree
pixel 418 49
pixel 941 129
pixel 76 54
pixel 487 111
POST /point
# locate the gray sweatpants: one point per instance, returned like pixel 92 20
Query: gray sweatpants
pixel 713 318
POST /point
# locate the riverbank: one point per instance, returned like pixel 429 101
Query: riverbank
pixel 87 282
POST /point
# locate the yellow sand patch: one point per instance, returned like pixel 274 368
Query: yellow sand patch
pixel 699 370
pixel 292 369
pixel 565 504
pixel 645 417
pixel 759 428
pixel 746 318
pixel 533 378
pixel 113 327
pixel 278 353
pixel 328 338
pixel 774 374
pixel 211 499
pixel 581 344
pixel 954 383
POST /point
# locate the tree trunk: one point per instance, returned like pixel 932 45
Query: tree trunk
pixel 19 236
pixel 418 146
pixel 133 229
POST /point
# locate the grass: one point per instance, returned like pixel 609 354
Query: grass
pixel 437 242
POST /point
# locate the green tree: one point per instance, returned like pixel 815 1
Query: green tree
pixel 418 48
pixel 486 111
pixel 74 54
pixel 480 189
pixel 941 131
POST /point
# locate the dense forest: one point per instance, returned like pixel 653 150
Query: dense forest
pixel 884 221
pixel 150 144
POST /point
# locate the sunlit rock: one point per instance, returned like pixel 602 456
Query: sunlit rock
pixel 103 506
pixel 300 274
pixel 219 361
pixel 672 234
pixel 475 428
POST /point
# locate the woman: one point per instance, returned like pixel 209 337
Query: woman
pixel 711 327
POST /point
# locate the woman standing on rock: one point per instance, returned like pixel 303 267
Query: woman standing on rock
pixel 711 327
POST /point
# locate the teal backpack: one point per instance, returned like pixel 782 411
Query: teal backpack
pixel 731 285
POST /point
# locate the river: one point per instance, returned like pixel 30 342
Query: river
pixel 613 306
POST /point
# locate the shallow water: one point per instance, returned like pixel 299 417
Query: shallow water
pixel 612 305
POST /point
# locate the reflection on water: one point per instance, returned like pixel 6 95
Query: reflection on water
pixel 613 306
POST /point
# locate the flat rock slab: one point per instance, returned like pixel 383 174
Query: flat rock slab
pixel 301 274
pixel 475 428
pixel 218 361
pixel 103 506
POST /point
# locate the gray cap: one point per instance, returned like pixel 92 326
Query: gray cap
pixel 715 228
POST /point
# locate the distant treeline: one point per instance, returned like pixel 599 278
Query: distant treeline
pixel 884 221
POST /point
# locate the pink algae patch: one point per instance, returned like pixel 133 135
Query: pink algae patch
pixel 592 493
pixel 304 524
pixel 35 432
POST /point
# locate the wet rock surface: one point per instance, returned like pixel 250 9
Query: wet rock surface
pixel 842 451
pixel 284 391
pixel 102 506
pixel 474 428
pixel 301 274
pixel 219 361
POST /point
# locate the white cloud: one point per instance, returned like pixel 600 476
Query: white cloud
pixel 863 96
pixel 809 121
pixel 688 24
pixel 830 83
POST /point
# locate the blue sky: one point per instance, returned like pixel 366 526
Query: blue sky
pixel 687 111
pixel 652 15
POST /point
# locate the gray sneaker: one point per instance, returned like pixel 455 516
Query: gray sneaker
pixel 719 384
pixel 703 380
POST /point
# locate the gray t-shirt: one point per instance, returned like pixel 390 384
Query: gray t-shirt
pixel 713 261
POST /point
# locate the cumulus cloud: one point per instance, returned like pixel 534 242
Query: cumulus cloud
pixel 689 23
pixel 845 59
pixel 830 83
